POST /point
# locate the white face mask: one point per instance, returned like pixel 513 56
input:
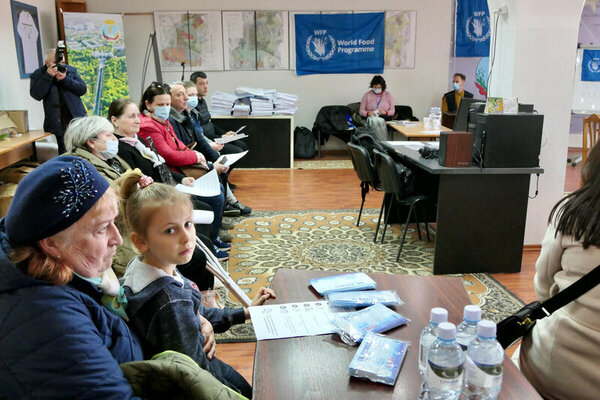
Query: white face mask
pixel 112 148
pixel 377 90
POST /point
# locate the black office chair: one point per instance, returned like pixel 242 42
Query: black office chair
pixel 394 183
pixel 365 172
pixel 331 120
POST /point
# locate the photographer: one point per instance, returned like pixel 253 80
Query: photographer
pixel 60 87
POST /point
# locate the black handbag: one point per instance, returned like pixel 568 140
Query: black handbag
pixel 518 325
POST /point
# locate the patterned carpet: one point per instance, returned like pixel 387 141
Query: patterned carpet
pixel 330 240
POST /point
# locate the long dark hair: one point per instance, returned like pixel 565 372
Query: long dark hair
pixel 155 89
pixel 578 214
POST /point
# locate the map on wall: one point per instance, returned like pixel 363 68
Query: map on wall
pixel 239 40
pixel 400 32
pixel 173 39
pixel 272 40
pixel 206 40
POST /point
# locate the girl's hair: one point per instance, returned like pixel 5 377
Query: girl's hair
pixel 82 129
pixel 137 204
pixel 41 265
pixel 578 213
pixel 117 107
pixel 378 80
pixel 155 89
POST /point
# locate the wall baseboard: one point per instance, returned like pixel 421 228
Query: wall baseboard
pixel 532 247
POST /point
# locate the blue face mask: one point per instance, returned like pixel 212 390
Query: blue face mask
pixel 192 101
pixel 112 148
pixel 377 90
pixel 162 112
pixel 456 86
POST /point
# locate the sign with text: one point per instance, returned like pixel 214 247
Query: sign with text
pixel 590 65
pixel 339 43
pixel 473 28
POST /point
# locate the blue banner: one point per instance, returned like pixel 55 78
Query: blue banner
pixel 590 65
pixel 473 28
pixel 339 43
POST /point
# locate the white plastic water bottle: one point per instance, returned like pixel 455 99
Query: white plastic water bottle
pixel 445 360
pixel 437 315
pixel 483 364
pixel 467 329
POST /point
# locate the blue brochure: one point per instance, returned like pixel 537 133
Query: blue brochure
pixel 364 298
pixel 379 358
pixel 343 283
pixel 353 326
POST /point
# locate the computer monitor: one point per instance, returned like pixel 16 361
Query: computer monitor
pixel 460 123
pixel 474 109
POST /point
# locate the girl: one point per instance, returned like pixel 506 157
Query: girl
pixel 165 308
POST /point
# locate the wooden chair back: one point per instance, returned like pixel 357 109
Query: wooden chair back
pixel 591 131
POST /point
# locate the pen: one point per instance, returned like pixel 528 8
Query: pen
pixel 238 131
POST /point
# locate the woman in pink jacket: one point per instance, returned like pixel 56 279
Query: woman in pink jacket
pixel 377 102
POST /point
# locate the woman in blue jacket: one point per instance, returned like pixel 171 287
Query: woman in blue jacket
pixel 61 310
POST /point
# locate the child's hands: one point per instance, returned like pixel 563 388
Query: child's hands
pixel 258 300
pixel 210 345
pixel 146 181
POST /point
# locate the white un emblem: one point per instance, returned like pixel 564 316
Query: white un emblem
pixel 477 27
pixel 594 65
pixel 320 46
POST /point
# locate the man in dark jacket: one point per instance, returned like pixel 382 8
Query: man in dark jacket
pixel 451 100
pixel 60 93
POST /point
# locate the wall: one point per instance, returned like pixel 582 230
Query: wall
pixel 535 54
pixel 420 87
pixel 14 91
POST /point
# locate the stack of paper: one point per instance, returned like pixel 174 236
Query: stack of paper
pixel 285 103
pixel 221 103
pixel 261 106
pixel 240 109
pixel 245 91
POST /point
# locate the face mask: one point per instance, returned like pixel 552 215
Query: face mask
pixel 377 90
pixel 112 148
pixel 192 101
pixel 162 112
pixel 456 86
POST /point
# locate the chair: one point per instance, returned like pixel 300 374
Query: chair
pixel 365 172
pixel 391 182
pixel 591 131
pixel 331 120
pixel 404 112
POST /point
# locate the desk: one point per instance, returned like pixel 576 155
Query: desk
pixel 416 131
pixel 270 139
pixel 317 367
pixel 15 149
pixel 480 213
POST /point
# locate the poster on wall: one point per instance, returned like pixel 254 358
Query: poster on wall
pixel 400 33
pixel 590 65
pixel 473 28
pixel 172 35
pixel 272 40
pixel 206 40
pixel 239 40
pixel 27 37
pixel 339 43
pixel 96 47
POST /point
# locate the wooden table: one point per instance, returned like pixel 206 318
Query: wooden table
pixel 416 131
pixel 317 367
pixel 15 149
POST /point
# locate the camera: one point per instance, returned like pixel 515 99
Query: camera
pixel 60 55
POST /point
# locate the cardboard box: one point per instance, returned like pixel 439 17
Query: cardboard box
pixel 20 118
pixel 7 192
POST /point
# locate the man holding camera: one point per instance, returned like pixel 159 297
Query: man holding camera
pixel 60 87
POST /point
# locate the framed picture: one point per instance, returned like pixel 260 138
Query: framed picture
pixel 27 37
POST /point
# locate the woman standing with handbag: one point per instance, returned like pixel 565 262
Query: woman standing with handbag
pixel 560 355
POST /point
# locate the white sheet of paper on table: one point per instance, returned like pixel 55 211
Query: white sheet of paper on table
pixel 287 320
pixel 206 186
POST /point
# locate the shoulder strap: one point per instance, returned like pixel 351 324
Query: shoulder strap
pixel 564 297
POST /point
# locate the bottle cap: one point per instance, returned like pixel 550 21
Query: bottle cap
pixel 447 331
pixel 486 329
pixel 438 314
pixel 472 313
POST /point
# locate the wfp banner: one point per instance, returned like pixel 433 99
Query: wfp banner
pixel 473 28
pixel 590 65
pixel 339 43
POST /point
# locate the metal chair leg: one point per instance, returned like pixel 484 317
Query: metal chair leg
pixel 387 217
pixel 427 227
pixel 412 207
pixel 417 223
pixel 363 193
pixel 379 220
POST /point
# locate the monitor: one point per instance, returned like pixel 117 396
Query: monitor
pixel 460 123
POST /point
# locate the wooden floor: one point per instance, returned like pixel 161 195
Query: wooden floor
pixel 265 190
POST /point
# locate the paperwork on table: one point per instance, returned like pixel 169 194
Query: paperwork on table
pixel 415 145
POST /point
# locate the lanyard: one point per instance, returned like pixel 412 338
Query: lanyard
pixel 381 98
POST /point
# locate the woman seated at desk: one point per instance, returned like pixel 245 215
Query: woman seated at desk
pixel 377 102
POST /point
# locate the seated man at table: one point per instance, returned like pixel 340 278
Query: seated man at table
pixel 211 130
pixel 451 100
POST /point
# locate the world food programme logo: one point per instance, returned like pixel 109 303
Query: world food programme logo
pixel 320 46
pixel 594 65
pixel 478 27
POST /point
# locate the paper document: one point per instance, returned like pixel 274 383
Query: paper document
pixel 202 217
pixel 279 321
pixel 205 186
pixel 231 159
pixel 227 139
pixel 417 145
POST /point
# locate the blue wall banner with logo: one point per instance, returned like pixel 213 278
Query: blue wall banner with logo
pixel 590 65
pixel 473 28
pixel 339 43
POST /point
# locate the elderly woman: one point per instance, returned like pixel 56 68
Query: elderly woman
pixel 92 139
pixel 57 239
